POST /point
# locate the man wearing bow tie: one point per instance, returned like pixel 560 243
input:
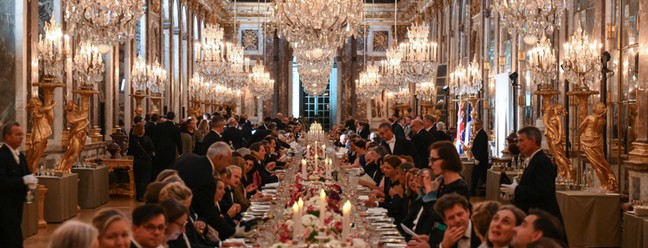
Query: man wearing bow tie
pixel 15 179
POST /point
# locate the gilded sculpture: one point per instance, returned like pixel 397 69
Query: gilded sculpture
pixel 78 120
pixel 40 132
pixel 591 138
pixel 556 140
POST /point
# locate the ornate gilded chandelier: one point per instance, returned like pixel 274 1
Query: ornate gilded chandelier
pixel 260 84
pixel 327 23
pixel 88 66
pixel 197 87
pixel 239 65
pixel 157 79
pixel 314 67
pixel 534 18
pixel 53 50
pixel 419 54
pixel 402 95
pixel 390 69
pixel 542 63
pixel 582 63
pixel 368 83
pixel 426 91
pixel 140 76
pixel 103 21
pixel 466 82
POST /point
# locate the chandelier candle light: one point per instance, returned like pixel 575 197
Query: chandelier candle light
pixel 535 18
pixel 419 54
pixel 103 21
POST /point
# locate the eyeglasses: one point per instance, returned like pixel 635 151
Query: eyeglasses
pixel 181 224
pixel 432 159
pixel 152 228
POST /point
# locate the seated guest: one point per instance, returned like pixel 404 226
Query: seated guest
pixel 74 234
pixel 455 211
pixel 240 194
pixel 265 170
pixel 538 224
pixel 176 216
pixel 545 243
pixel 393 191
pixel 483 213
pixel 165 173
pixel 148 227
pixel 232 181
pixel 374 160
pixel 113 227
pixel 195 228
pixel 502 227
pixel 251 178
pixel 152 194
pixel 361 151
pixel 226 229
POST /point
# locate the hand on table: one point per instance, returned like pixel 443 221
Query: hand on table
pixel 420 241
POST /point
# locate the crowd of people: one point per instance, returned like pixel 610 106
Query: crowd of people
pixel 197 177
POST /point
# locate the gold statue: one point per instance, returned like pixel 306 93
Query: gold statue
pixel 78 120
pixel 591 139
pixel 556 140
pixel 41 130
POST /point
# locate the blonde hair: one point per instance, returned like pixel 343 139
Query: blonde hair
pixel 105 217
pixel 74 234
pixel 175 191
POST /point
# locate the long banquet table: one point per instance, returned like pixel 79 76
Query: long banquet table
pixel 591 219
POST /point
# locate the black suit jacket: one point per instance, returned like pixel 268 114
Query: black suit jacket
pixel 198 174
pixel 402 147
pixel 364 133
pixel 480 148
pixel 234 135
pixel 211 138
pixel 167 142
pixel 12 195
pixel 537 188
pixel 350 124
pixel 259 135
pixel 421 142
pixel 441 135
pixel 398 130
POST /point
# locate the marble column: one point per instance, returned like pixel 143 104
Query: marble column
pixel 12 76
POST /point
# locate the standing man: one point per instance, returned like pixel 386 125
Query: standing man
pixel 479 151
pixel 198 173
pixel 537 188
pixel 168 144
pixel 232 134
pixel 396 127
pixel 15 180
pixel 395 145
pixel 421 140
pixel 215 134
pixel 350 123
pixel 362 129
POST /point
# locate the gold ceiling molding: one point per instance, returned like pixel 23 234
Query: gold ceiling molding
pixel 199 7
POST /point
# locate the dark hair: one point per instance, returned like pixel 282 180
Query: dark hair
pixel 549 225
pixel 256 146
pixel 407 158
pixel 532 132
pixel 448 201
pixel 152 193
pixel 139 130
pixel 385 125
pixel 392 160
pixel 6 128
pixel 173 210
pixel 448 153
pixel 483 213
pixel 137 119
pixel 360 143
pixel 518 213
pixel 155 117
pixel 170 115
pixel 406 166
pixel 146 212
pixel 216 121
pixel 184 126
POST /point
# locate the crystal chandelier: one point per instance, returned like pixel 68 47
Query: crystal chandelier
pixel 197 87
pixel 419 55
pixel 259 83
pixel 582 63
pixel 401 96
pixel 314 70
pixel 426 91
pixel 157 80
pixel 390 69
pixel 457 80
pixel 542 62
pixel 140 75
pixel 368 83
pixel 210 57
pixel 88 66
pixel 535 18
pixel 103 21
pixel 327 23
pixel 53 49
pixel 239 68
pixel 466 82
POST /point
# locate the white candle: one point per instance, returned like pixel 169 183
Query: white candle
pixel 300 202
pixel 346 220
pixel 324 150
pixel 316 163
pixel 296 221
pixel 307 150
pixel 303 169
pixel 316 147
pixel 322 206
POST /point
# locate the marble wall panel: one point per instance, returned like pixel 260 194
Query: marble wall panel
pixel 7 60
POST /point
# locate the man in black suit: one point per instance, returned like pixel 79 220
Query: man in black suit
pixel 279 121
pixel 198 173
pixel 363 129
pixel 167 144
pixel 441 132
pixel 479 151
pixel 350 123
pixel 260 134
pixel 396 128
pixel 15 180
pixel 455 211
pixel 421 140
pixel 232 134
pixel 429 122
pixel 215 134
pixel 537 188
pixel 149 127
pixel 394 144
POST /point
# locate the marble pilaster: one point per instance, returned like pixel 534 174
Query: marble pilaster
pixel 11 57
